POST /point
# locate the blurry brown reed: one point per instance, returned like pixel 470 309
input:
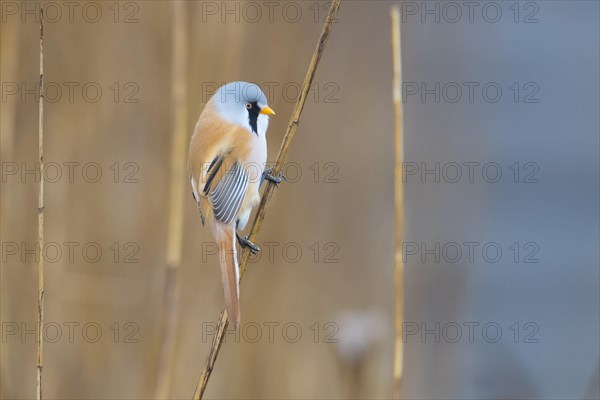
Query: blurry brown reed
pixel 9 108
pixel 40 341
pixel 170 309
pixel 399 197
pixel 277 170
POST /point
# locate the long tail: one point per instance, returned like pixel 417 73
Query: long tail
pixel 230 277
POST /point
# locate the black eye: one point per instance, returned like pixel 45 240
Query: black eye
pixel 248 106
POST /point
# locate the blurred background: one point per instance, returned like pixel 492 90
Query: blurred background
pixel 501 181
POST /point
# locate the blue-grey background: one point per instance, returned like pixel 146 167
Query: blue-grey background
pixel 559 133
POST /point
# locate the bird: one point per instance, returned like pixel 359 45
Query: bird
pixel 226 165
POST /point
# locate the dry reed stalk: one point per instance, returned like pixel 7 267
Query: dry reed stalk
pixel 399 197
pixel 170 309
pixel 40 341
pixel 277 169
pixel 8 118
pixel 9 108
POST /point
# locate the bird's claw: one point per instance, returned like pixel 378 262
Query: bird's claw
pixel 267 174
pixel 245 242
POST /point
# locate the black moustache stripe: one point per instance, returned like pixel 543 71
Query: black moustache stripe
pixel 253 116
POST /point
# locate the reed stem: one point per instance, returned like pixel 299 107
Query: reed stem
pixel 170 309
pixel 399 198
pixel 40 339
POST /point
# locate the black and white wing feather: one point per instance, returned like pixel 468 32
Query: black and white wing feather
pixel 227 195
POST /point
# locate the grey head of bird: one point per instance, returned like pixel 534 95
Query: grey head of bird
pixel 244 104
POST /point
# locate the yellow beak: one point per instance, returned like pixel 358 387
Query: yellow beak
pixel 267 110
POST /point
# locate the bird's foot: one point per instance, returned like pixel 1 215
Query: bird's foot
pixel 267 174
pixel 244 242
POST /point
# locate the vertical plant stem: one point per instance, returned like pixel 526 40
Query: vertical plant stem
pixel 8 122
pixel 9 107
pixel 40 341
pixel 260 214
pixel 170 309
pixel 399 198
